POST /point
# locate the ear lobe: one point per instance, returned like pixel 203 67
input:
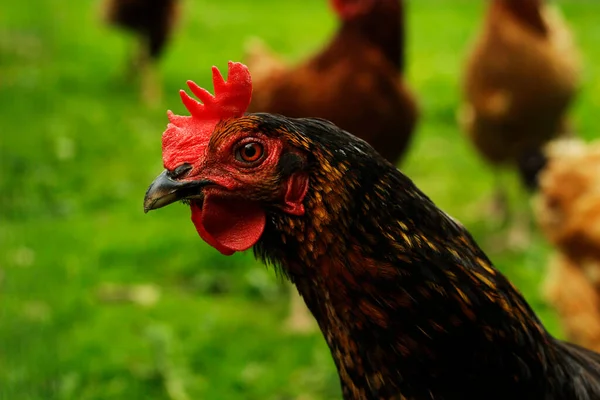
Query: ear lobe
pixel 297 187
pixel 349 9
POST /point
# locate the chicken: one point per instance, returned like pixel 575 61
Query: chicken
pixel 152 22
pixel 410 306
pixel 355 82
pixel 521 76
pixel 575 297
pixel 568 211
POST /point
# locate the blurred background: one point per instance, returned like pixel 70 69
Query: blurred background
pixel 98 300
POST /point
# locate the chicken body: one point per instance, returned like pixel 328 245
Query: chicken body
pixel 409 304
pixel 152 20
pixel 521 76
pixel 153 23
pixel 568 211
pixel 355 81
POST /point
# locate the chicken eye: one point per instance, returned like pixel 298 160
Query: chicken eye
pixel 250 152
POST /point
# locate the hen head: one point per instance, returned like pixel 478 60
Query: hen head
pixel 230 168
pixel 350 9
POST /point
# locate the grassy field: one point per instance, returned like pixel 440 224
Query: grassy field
pixel 98 300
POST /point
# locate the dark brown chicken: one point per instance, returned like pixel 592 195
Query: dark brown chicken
pixel 355 81
pixel 152 21
pixel 521 76
pixel 409 304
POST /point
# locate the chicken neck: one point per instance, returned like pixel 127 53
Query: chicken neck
pixel 528 12
pixel 382 27
pixel 406 300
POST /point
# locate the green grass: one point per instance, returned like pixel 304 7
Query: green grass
pixel 78 149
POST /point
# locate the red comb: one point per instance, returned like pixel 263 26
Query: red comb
pixel 187 137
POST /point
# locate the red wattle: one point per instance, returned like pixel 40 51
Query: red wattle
pixel 207 237
pixel 229 224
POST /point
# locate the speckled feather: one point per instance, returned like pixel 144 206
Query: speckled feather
pixel 409 304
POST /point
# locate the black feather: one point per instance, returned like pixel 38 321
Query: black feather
pixel 408 302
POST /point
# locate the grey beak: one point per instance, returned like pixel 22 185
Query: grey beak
pixel 165 190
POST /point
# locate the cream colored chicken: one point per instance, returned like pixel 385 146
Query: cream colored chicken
pixel 568 211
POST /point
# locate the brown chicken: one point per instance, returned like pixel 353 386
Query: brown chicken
pixel 152 22
pixel 521 76
pixel 409 304
pixel 568 211
pixel 355 82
